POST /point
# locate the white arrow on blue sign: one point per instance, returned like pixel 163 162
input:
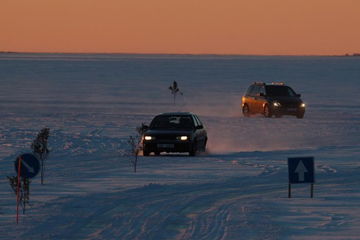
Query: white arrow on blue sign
pixel 29 167
pixel 301 170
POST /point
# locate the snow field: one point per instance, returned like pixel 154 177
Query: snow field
pixel 238 190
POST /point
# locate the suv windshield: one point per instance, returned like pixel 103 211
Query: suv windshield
pixel 279 91
pixel 172 122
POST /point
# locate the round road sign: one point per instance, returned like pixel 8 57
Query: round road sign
pixel 30 165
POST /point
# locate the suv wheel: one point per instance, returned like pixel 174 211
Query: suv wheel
pixel 246 110
pixel 267 112
pixel 300 115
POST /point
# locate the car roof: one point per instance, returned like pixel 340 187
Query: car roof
pixel 176 114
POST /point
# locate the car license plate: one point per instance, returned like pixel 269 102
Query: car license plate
pixel 165 145
pixel 292 109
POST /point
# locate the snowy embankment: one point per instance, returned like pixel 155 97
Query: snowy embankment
pixel 237 190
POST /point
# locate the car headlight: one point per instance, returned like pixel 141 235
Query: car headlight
pixel 303 105
pixel 183 138
pixel 148 138
pixel 276 104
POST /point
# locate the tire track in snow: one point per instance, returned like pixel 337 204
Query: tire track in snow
pixel 205 211
pixel 209 225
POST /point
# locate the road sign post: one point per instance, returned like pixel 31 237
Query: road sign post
pixel 301 170
pixel 26 166
pixel 18 188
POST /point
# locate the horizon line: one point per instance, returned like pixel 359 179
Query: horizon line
pixel 183 54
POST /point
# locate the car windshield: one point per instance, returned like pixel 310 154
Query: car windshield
pixel 172 123
pixel 279 91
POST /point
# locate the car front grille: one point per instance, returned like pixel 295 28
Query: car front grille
pixel 166 137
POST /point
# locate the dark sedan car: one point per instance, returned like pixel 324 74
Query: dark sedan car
pixel 175 132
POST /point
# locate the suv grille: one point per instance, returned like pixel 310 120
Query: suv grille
pixel 290 105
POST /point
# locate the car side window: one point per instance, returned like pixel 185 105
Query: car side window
pixel 198 121
pixel 262 89
pixel 249 90
pixel 255 90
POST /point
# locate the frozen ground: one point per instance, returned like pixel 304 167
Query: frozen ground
pixel 238 190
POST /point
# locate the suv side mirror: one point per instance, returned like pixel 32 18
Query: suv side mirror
pixel 141 129
pixel 199 127
pixel 260 94
pixel 298 95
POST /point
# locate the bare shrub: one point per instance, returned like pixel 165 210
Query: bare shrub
pixel 175 90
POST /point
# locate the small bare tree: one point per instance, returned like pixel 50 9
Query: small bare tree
pixel 40 149
pixel 134 150
pixel 174 90
pixel 135 144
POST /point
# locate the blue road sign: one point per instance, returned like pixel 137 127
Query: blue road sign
pixel 30 165
pixel 301 170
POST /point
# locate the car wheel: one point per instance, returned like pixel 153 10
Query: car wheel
pixel 267 112
pixel 146 152
pixel 193 150
pixel 246 110
pixel 204 147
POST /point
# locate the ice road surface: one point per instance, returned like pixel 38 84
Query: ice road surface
pixel 237 190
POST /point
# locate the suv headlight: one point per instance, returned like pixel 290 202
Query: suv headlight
pixel 302 105
pixel 276 104
pixel 148 138
pixel 183 138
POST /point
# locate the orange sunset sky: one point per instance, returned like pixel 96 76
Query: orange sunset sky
pixel 270 27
